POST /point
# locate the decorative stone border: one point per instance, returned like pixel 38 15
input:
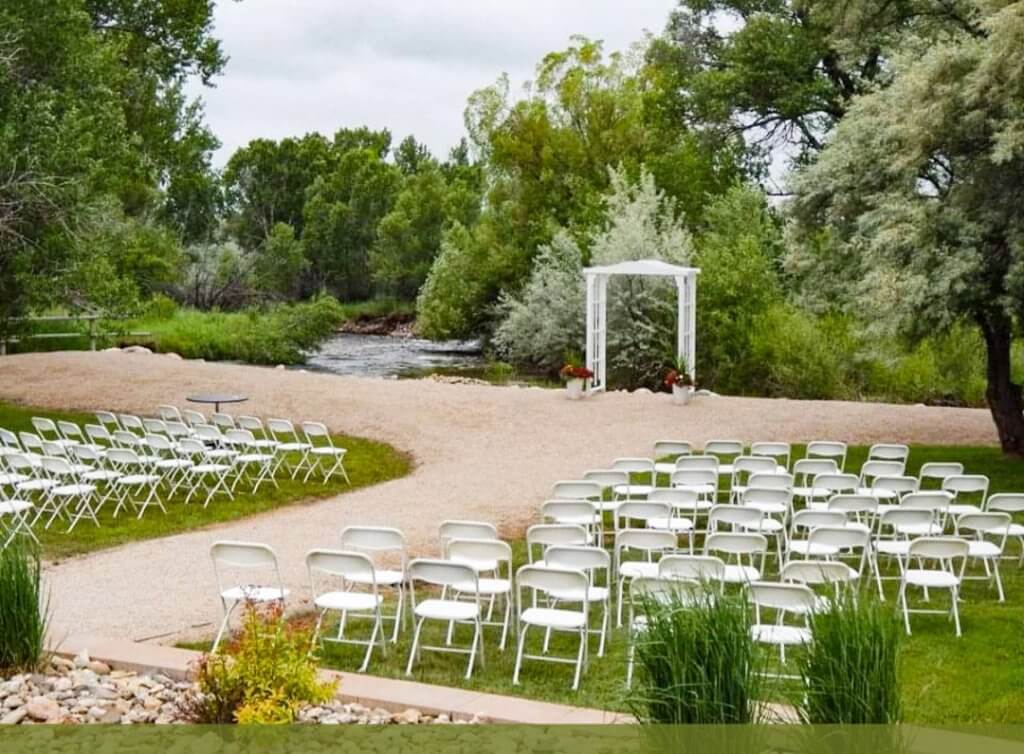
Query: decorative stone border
pixel 369 691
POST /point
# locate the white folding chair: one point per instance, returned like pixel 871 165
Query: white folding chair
pixel 896 529
pixel 573 586
pixel 825 486
pixel 986 539
pixel 327 566
pixel 205 473
pixel 948 558
pixel 136 484
pixel 935 472
pixel 804 472
pixel 382 542
pixel 223 421
pixel 745 467
pixel 548 535
pixel 230 558
pixel 452 529
pixel 192 417
pixel 71 433
pixel 98 474
pixel 108 420
pixel 31 484
pixel 969 491
pixel 748 519
pixel 702 482
pixel 610 480
pixel 706 569
pixel 665 593
pixel 889 452
pixel 47 430
pixel 1012 503
pixel 263 441
pixel 736 547
pixel 251 462
pixel 781 452
pixel 667 452
pixel 888 490
pixel 683 511
pixel 459 578
pixel 282 431
pixel 872 470
pixel 131 423
pixel 642 467
pixel 595 562
pixel 322 448
pixel 486 556
pixel 648 543
pixel 167 461
pixel 828 450
pixel 71 497
pixel 169 413
pixel 821 573
pixel 580 512
pixel 791 599
pixel 637 514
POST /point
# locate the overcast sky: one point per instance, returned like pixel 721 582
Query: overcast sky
pixel 409 65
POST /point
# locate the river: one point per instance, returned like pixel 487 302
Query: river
pixel 387 356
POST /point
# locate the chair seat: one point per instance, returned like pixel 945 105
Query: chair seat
pixel 737 574
pixel 960 509
pixel 486 587
pixel 327 451
pixel 594 594
pixel 632 490
pixel 899 547
pixel 788 635
pixel 608 506
pixel 582 520
pixel 291 447
pixel 638 569
pixel 553 617
pixel 72 490
pixel 478 565
pixel 768 509
pixel 983 549
pixel 932 578
pixel 1015 530
pixel 137 479
pixel 676 523
pixel 664 467
pixel 174 463
pixel 254 458
pixel 804 547
pixel 879 493
pixel 921 530
pixel 101 475
pixel 447 609
pixel 211 468
pixel 36 485
pixel 264 444
pixel 383 577
pixel 12 507
pixel 222 453
pixel 725 469
pixel 347 601
pixel 8 480
pixel 253 593
pixel 700 489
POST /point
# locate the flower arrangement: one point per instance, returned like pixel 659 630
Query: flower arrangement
pixel 679 375
pixel 575 372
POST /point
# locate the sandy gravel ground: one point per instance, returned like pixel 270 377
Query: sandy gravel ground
pixel 481 452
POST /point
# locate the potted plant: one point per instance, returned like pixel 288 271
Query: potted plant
pixel 680 382
pixel 575 376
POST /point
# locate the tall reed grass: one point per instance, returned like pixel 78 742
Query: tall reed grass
pixel 697 664
pixel 850 669
pixel 23 607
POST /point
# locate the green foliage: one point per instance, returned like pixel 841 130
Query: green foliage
pixel 23 608
pixel 697 663
pixel 850 669
pixel 266 675
pixel 280 263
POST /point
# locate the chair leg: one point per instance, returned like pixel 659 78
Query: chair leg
pixel 579 657
pixel 954 594
pixel 901 600
pixel 415 645
pixel 605 609
pixel 519 655
pixel 999 580
pixel 370 645
pixel 223 626
pixel 630 654
pixel 504 624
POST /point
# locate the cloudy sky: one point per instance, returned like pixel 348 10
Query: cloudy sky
pixel 316 65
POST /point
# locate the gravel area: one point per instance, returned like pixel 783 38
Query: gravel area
pixel 481 452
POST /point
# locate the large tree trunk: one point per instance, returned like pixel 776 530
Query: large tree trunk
pixel 1002 393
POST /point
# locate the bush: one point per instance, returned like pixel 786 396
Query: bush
pixel 266 675
pixel 697 664
pixel 23 608
pixel 849 671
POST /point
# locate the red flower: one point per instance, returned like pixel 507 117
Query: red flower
pixel 574 372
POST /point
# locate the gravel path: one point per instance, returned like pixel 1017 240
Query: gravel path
pixel 481 453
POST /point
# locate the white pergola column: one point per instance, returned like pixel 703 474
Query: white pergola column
pixel 597 331
pixel 686 344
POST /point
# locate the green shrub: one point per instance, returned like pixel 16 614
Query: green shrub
pixel 161 307
pixel 849 671
pixel 697 664
pixel 266 675
pixel 23 608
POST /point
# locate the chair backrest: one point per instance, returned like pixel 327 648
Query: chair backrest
pixel 70 431
pixel 131 423
pixel 697 567
pixel 941 549
pixel 576 490
pixel 806 469
pixel 240 436
pixel 898 519
pixel 107 419
pixel 126 439
pixel 570 584
pixel 808 520
pixel 177 429
pixel 317 431
pixel 444 573
pixel 672 449
pixel 967 485
pixel 9 439
pixel 832 484
pixel 98 434
pixel 831 449
pixel 222 420
pixel 548 535
pixel 208 432
pixel 54 449
pixel 787 597
pixel 889 452
pixel 281 428
pixel 251 423
pixel 647 540
pixel 781 452
pixel 994 523
pixel 169 413
pixel 19 462
pixel 372 539
pixel 57 466
pixel 736 543
pixel 30 441
pixel 346 564
pixel 160 443
pixel 637 510
pixel 876 468
pixel 123 457
pixel 766 496
pixel 744 466
pixel 634 465
pixel 192 417
pixel 697 463
pixel 939 470
pixel 843 537
pixel 85 454
pixel 684 501
pixel 694 477
pixel 857 506
pixel 933 500
pixel 155 426
pixel 471 551
pixel 773 480
pixel 817 572
pixel 586 558
pixel 665 591
pixel 191 447
pixel 723 448
pixel 607 478
pixel 898 484
pixel 734 515
pixel 1010 502
pixel 450 530
pixel 231 554
pixel 577 510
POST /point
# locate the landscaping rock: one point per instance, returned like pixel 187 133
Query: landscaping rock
pixel 82 659
pixel 172 355
pixel 410 717
pixel 13 701
pixel 43 709
pixel 137 349
pixel 14 716
pixel 99 668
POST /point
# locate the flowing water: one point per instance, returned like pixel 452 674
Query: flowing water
pixel 386 356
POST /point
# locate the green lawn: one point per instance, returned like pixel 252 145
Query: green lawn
pixel 977 678
pixel 367 462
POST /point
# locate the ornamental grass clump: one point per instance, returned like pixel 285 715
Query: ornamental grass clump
pixel 266 675
pixel 850 669
pixel 696 663
pixel 23 607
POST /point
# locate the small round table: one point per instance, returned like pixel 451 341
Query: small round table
pixel 217 398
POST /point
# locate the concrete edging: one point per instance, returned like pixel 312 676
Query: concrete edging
pixel 370 691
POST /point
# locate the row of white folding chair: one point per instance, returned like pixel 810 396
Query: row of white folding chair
pixel 781 451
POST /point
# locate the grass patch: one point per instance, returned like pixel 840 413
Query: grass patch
pixel 367 462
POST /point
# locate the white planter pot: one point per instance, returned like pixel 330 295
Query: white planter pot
pixel 681 394
pixel 574 389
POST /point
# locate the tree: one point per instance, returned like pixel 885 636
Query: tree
pixel 921 188
pixel 280 263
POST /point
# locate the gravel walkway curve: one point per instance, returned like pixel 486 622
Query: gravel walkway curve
pixel 481 452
